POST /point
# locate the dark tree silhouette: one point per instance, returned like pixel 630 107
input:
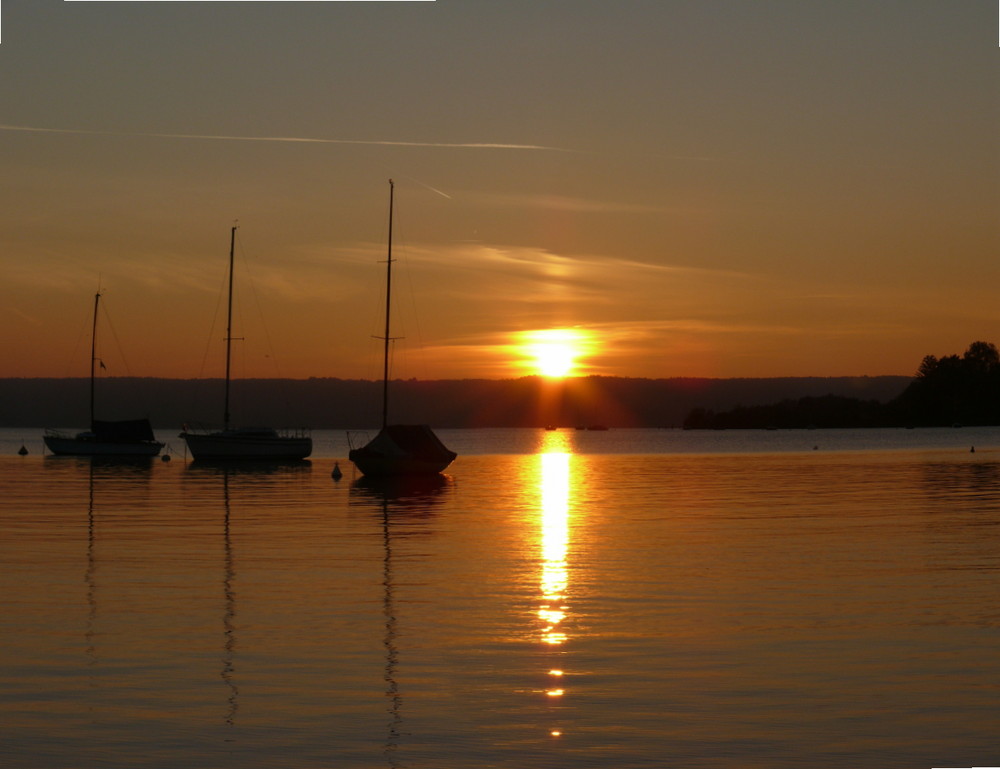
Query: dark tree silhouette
pixel 963 390
pixel 954 390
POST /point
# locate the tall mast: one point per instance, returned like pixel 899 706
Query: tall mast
pixel 229 326
pixel 388 298
pixel 93 356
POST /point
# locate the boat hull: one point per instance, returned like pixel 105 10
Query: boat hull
pixel 378 466
pixel 402 450
pixel 82 447
pixel 214 446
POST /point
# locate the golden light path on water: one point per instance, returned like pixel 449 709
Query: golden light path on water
pixel 554 478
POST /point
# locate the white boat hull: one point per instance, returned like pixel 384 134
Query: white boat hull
pixel 235 445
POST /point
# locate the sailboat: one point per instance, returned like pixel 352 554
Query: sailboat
pixel 243 442
pixel 399 449
pixel 124 438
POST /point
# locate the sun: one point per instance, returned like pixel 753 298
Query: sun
pixel 554 352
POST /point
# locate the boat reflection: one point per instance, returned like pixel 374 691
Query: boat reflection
pixel 404 504
pixel 232 485
pixel 106 472
pixel 127 465
pixel 410 494
pixel 231 467
pixel 555 494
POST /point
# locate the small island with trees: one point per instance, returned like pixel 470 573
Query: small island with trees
pixel 953 390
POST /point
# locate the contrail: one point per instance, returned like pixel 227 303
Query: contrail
pixel 426 186
pixel 295 139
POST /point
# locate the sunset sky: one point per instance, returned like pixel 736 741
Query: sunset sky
pixel 679 188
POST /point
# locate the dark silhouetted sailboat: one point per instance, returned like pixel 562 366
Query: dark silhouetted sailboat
pixel 123 438
pixel 236 443
pixel 399 449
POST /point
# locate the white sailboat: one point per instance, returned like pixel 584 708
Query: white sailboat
pixel 123 438
pixel 234 443
pixel 399 450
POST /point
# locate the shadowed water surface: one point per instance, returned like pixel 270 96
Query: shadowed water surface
pixel 553 609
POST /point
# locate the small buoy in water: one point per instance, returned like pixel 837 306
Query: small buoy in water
pixel 165 458
pixel 22 451
pixel 972 450
pixel 815 448
pixel 336 474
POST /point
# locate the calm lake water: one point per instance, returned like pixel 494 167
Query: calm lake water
pixel 560 599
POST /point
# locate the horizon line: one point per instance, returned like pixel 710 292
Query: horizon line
pixel 221 378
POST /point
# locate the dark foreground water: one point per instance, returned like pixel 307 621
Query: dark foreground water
pixel 559 607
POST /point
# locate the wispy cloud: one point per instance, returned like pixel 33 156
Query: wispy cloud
pixel 567 204
pixel 288 139
pixel 529 262
pixel 23 315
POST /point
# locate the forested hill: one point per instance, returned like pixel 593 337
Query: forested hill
pixel 356 404
pixel 962 390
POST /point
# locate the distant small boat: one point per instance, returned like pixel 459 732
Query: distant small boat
pixel 234 443
pixel 127 438
pixel 399 450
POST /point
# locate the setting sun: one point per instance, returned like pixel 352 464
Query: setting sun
pixel 554 352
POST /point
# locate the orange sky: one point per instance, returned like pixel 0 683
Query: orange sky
pixel 697 189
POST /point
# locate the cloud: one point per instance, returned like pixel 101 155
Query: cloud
pixel 491 256
pixel 289 139
pixel 567 204
pixel 22 315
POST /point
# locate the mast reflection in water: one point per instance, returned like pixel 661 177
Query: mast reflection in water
pixel 403 504
pixel 229 615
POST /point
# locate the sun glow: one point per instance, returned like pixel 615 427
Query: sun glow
pixel 554 352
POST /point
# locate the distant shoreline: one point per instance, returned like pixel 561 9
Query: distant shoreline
pixel 332 403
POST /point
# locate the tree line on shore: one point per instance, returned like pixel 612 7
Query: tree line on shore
pixel 327 403
pixel 953 390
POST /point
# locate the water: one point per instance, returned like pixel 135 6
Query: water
pixel 560 599
pixel 334 444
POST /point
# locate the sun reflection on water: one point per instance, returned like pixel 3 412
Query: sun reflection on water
pixel 555 543
pixel 555 495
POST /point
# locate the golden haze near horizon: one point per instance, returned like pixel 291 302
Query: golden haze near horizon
pixel 670 189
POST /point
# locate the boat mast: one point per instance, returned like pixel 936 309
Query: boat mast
pixel 93 356
pixel 388 297
pixel 229 327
